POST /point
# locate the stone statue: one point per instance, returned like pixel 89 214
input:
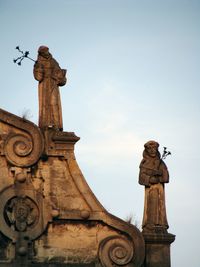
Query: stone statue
pixel 153 175
pixel 50 76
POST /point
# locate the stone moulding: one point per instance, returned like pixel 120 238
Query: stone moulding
pixel 157 247
pixel 166 238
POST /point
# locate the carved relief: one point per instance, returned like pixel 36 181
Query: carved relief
pixel 18 149
pixel 116 251
pixel 22 142
pixel 21 213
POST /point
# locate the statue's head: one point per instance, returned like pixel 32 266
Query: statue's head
pixel 43 51
pixel 151 148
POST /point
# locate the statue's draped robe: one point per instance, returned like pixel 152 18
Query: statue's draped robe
pixel 154 205
pixel 49 74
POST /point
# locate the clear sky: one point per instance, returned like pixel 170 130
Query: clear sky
pixel 133 75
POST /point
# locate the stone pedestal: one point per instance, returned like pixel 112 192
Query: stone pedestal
pixel 157 247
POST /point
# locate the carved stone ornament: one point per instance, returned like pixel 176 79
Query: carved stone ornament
pixel 23 145
pixel 116 251
pixel 17 148
pixel 21 213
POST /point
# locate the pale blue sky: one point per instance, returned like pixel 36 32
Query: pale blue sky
pixel 133 75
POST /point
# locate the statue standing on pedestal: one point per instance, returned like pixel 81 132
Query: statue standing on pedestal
pixel 50 76
pixel 153 175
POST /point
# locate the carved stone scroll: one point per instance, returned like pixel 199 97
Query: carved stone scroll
pixel 23 145
pixel 116 251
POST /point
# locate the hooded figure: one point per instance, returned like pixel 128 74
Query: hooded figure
pixel 153 175
pixel 50 76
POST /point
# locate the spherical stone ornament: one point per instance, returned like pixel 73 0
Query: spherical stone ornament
pixel 85 214
pixel 22 251
pixel 55 213
pixel 21 177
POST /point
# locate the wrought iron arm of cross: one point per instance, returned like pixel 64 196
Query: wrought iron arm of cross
pixel 24 55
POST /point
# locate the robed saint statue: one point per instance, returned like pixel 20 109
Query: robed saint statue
pixel 153 175
pixel 50 76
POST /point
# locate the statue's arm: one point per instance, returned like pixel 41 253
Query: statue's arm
pixel 58 74
pixel 62 78
pixel 149 176
pixel 38 71
pixel 144 177
pixel 165 174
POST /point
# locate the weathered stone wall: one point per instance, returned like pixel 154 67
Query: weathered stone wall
pixel 48 214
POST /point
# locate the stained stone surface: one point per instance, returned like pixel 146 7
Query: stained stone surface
pixel 154 175
pixel 48 214
pixel 50 76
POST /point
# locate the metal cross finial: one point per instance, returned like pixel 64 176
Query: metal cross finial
pixel 24 55
pixel 165 153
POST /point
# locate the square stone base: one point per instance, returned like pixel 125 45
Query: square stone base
pixel 158 249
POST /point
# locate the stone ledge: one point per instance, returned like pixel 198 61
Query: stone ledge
pixel 161 238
